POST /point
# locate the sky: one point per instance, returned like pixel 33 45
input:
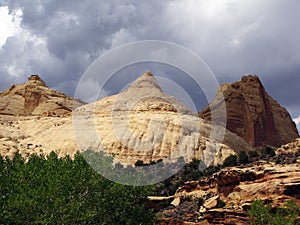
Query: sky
pixel 60 39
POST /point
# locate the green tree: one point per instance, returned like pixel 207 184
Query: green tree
pixel 52 190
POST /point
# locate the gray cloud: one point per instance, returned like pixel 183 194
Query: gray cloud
pixel 60 39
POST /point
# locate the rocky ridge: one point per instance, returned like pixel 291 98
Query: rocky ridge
pixel 253 114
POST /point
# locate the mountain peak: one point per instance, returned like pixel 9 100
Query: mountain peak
pixel 251 79
pixel 146 81
pixel 148 73
pixel 36 80
pixel 35 98
pixel 145 94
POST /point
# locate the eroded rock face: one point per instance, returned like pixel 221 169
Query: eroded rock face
pixel 253 114
pixel 141 123
pixel 35 98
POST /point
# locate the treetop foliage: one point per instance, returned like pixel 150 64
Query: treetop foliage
pixel 52 190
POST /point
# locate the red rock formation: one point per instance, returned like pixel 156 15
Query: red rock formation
pixel 35 98
pixel 32 100
pixel 253 114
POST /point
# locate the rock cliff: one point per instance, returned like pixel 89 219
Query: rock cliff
pixel 35 98
pixel 253 114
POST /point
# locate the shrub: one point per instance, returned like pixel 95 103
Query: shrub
pixel 200 202
pixel 259 214
pixel 188 198
pixel 195 164
pixel 211 170
pixel 243 157
pixel 268 151
pixel 253 154
pixel 230 161
pixel 220 204
pixel 278 160
pixel 139 163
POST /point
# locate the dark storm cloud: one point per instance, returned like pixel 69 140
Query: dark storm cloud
pixel 247 37
pixel 85 26
pixel 60 39
pixel 72 34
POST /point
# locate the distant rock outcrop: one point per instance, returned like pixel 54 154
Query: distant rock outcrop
pixel 35 98
pixel 253 114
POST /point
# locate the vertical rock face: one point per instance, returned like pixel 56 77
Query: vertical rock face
pixel 31 100
pixel 253 114
pixel 32 94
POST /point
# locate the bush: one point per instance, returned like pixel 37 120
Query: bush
pixel 278 160
pixel 268 151
pixel 230 161
pixel 188 198
pixel 220 204
pixel 211 170
pixel 259 214
pixel 243 157
pixel 200 202
pixel 195 164
pixel 139 163
pixel 253 154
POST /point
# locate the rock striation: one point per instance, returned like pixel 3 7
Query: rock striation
pixel 252 114
pixel 35 98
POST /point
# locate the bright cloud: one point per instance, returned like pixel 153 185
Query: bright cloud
pixel 297 121
pixel 9 23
